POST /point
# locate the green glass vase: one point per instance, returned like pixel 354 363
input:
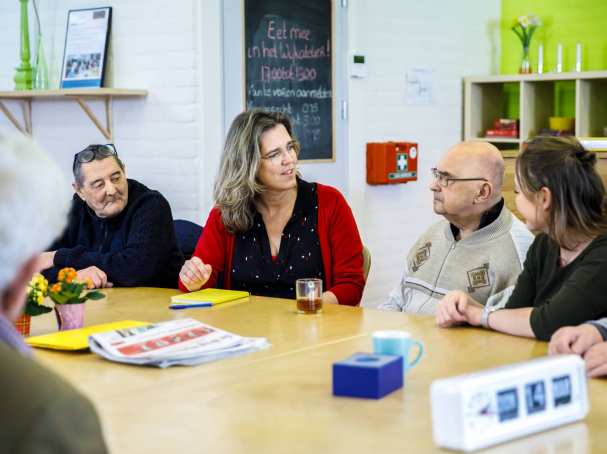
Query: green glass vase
pixel 40 79
pixel 525 67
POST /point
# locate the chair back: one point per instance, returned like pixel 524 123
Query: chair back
pixel 187 233
pixel 366 261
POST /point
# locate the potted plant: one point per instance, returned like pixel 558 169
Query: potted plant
pixel 524 27
pixel 37 290
pixel 68 294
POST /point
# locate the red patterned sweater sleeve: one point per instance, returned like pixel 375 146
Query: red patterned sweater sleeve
pixel 341 247
pixel 212 247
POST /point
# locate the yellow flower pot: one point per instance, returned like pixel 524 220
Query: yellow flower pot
pixel 561 123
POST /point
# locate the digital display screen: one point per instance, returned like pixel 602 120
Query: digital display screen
pixel 561 390
pixel 507 404
pixel 535 397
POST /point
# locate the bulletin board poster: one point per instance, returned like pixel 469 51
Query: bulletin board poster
pixel 289 68
pixel 86 43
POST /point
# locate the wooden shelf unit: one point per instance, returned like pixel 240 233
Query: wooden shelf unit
pixel 82 96
pixel 484 100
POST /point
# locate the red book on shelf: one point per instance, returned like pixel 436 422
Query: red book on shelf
pixel 505 123
pixel 508 133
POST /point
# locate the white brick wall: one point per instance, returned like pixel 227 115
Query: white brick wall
pixel 451 38
pixel 154 46
pixel 172 140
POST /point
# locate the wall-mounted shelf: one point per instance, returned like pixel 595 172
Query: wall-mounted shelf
pixel 81 96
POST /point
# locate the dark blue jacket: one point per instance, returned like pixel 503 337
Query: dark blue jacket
pixel 136 248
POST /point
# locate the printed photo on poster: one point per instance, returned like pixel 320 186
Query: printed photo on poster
pixel 86 43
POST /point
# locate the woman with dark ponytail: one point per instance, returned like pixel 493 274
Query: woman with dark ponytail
pixel 564 280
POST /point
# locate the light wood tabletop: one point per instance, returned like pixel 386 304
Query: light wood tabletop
pixel 279 400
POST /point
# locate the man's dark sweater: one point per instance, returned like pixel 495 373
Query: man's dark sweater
pixel 562 296
pixel 136 248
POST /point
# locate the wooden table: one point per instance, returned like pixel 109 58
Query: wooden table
pixel 279 400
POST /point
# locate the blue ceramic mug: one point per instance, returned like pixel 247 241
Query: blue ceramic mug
pixel 397 343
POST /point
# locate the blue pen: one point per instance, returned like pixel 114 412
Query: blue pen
pixel 190 305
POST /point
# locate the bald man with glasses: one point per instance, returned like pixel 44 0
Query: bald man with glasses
pixel 120 233
pixel 479 247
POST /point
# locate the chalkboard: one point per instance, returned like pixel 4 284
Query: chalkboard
pixel 289 68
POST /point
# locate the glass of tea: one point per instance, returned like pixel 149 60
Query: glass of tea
pixel 308 293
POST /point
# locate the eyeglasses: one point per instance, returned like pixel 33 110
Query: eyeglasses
pixel 276 156
pixel 92 151
pixel 443 178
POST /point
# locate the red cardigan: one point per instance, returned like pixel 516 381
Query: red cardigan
pixel 340 246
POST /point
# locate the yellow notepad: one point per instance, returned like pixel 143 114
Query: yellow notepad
pixel 206 297
pixel 78 339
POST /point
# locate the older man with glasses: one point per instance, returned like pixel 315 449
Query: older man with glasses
pixel 479 247
pixel 119 232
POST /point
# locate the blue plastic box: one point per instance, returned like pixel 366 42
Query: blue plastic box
pixel 367 375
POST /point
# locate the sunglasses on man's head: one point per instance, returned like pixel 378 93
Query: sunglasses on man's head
pixel 93 151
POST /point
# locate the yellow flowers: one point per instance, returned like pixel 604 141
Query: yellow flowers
pixel 36 289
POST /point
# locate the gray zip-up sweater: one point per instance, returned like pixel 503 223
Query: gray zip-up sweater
pixel 485 264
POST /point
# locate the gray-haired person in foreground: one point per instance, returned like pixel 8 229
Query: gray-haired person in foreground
pixel 40 411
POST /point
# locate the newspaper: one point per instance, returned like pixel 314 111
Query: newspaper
pixel 183 342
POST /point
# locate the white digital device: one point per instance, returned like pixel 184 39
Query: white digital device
pixel 477 410
pixel 358 66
